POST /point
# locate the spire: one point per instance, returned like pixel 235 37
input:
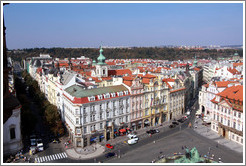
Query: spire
pixel 101 58
pixel 195 62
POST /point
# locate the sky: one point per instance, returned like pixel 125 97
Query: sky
pixel 73 25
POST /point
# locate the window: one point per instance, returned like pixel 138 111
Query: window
pixel 101 125
pixel 100 115
pixel 77 120
pixel 78 131
pixel 228 123
pixel 233 136
pixel 146 112
pixel 107 114
pixel 100 106
pixel 235 113
pixel 91 128
pixel 92 98
pixel 127 118
pixel 239 115
pixel 217 117
pixel 84 119
pixel 99 97
pixel 234 125
pixel 214 116
pixel 84 109
pixel 237 139
pixel 77 111
pixel 241 140
pixel 221 119
pixel 85 129
pixel 12 133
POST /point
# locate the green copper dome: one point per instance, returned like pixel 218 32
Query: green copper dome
pixel 101 58
pixel 235 54
pixel 195 62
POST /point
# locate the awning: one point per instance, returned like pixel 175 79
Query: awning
pixel 93 139
pixel 122 130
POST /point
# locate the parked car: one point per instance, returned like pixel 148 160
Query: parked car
pixel 110 154
pixel 175 123
pixel 181 120
pixel 172 125
pixel 153 131
pixel 109 146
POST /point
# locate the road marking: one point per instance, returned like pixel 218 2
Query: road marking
pixel 37 160
pixel 46 159
pixel 65 154
pixel 58 155
pixel 41 160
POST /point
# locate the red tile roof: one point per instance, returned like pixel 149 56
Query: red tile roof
pixel 149 76
pixel 224 83
pixel 119 72
pixel 177 90
pixel 233 92
pixel 233 71
pixel 237 64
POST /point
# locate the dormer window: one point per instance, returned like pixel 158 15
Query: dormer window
pixel 113 94
pixel 217 98
pixel 92 98
pixel 120 93
pixel 107 95
pixel 100 97
pixel 126 92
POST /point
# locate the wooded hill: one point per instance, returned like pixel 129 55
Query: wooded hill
pixel 125 53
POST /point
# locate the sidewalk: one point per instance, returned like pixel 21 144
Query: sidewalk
pixel 207 132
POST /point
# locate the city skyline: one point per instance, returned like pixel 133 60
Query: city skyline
pixel 31 25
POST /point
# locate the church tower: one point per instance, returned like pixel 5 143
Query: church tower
pixel 101 66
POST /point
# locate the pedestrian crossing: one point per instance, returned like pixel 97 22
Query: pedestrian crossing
pixel 51 157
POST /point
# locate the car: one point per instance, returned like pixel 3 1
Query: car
pixel 172 125
pixel 132 141
pixel 40 145
pixel 134 137
pixel 131 135
pixel 175 123
pixel 153 131
pixel 109 146
pixel 181 120
pixel 110 154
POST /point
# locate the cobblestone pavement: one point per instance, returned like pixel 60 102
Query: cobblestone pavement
pixel 207 132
